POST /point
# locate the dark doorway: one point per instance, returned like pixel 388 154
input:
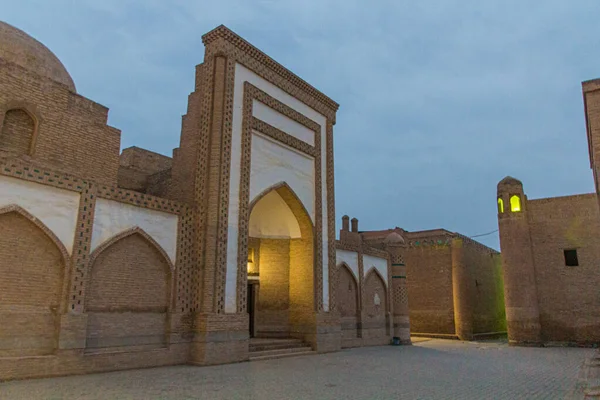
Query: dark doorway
pixel 251 305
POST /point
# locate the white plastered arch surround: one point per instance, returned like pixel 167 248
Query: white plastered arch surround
pixel 272 218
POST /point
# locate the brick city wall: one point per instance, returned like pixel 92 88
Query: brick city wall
pixel 569 303
pixel 486 288
pixel 430 295
pixel 71 134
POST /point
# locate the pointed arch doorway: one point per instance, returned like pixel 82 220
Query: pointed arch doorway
pixel 280 265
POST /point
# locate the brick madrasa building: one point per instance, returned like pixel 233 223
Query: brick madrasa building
pixel 224 252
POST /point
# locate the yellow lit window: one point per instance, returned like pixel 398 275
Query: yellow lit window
pixel 515 203
pixel 500 205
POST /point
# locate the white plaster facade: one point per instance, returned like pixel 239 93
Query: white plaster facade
pixel 380 264
pixel 284 173
pixel 112 217
pixel 55 208
pixel 273 162
pixel 350 258
pixel 271 218
pixel 283 123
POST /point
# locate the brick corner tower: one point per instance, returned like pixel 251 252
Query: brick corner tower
pixel 520 292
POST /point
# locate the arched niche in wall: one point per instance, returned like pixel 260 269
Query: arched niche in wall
pixel 19 126
pixel 33 263
pixel 347 298
pixel 129 293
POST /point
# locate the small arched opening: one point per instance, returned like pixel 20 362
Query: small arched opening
pixel 515 203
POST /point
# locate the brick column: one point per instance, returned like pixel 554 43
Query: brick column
pixel 219 337
pixel 399 291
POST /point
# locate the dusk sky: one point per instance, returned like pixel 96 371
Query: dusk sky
pixel 439 100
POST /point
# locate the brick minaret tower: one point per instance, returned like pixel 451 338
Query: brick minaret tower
pixel 520 292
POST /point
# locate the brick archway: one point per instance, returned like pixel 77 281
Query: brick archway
pixel 286 274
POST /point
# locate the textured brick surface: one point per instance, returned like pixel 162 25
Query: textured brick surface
pixel 569 297
pixel 434 369
pixel 129 295
pixel 274 296
pixel 348 305
pixel 17 132
pixel 547 301
pixel 375 310
pixel 31 271
pixel 429 282
pixel 72 134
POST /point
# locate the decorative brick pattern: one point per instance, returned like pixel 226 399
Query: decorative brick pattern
pixel 35 173
pixel 81 248
pixel 400 296
pixel 332 268
pixel 117 298
pixel 140 199
pixel 187 275
pixel 272 71
pixel 249 123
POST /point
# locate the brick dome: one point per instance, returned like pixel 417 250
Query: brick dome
pixel 394 238
pixel 19 48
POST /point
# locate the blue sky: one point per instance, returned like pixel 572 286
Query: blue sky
pixel 439 99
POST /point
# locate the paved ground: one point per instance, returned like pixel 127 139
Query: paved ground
pixel 432 369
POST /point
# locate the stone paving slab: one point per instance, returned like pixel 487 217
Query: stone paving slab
pixel 430 369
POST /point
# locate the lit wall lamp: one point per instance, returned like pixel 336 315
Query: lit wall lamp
pixel 250 265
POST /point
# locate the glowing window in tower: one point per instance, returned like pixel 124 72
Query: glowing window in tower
pixel 515 203
pixel 500 205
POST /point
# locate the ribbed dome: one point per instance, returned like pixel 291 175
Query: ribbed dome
pixel 18 47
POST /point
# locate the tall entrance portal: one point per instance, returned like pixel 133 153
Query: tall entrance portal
pixel 280 265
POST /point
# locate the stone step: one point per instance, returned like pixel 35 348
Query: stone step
pixel 287 350
pixel 275 346
pixel 255 357
pixel 268 342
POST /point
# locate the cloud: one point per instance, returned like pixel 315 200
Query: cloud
pixel 439 99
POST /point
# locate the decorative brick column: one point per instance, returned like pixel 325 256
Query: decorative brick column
pixel 400 316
